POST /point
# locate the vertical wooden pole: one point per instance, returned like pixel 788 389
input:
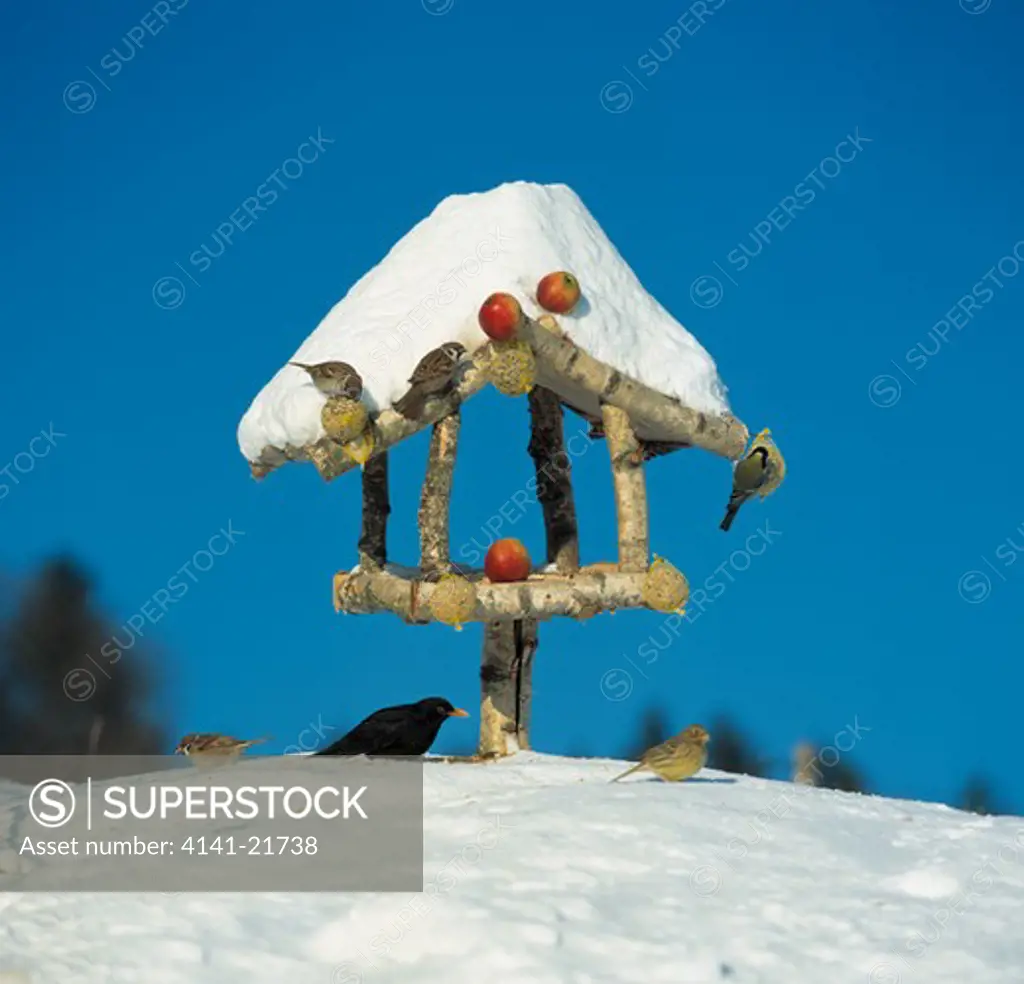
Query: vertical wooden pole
pixel 630 489
pixel 506 668
pixel 506 686
pixel 554 480
pixel 376 507
pixel 435 501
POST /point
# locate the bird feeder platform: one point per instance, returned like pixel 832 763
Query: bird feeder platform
pixel 545 594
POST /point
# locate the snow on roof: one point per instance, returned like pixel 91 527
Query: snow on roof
pixel 430 286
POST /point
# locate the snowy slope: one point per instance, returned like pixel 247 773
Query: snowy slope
pixel 540 872
pixel 429 287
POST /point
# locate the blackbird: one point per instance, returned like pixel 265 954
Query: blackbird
pixel 407 729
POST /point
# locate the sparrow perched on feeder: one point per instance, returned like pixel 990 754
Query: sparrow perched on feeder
pixel 679 758
pixel 334 378
pixel 433 376
pixel 407 729
pixel 205 748
pixel 749 476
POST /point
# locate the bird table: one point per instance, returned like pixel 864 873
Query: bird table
pixel 636 422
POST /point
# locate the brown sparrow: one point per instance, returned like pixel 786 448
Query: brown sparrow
pixel 433 376
pixel 676 759
pixel 334 378
pixel 208 748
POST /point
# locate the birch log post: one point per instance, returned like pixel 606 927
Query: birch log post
pixel 554 479
pixel 506 675
pixel 630 489
pixel 373 550
pixel 565 367
pixel 435 501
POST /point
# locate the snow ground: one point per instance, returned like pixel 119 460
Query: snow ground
pixel 540 872
pixel 430 286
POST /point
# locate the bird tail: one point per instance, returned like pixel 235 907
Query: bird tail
pixel 258 741
pixel 630 771
pixel 730 515
pixel 411 405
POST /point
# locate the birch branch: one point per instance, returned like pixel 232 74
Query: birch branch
pixel 435 501
pixel 630 489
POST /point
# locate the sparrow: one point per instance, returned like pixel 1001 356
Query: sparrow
pixel 749 476
pixel 433 376
pixel 334 378
pixel 676 759
pixel 407 729
pixel 214 748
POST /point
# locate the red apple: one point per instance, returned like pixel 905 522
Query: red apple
pixel 558 292
pixel 500 317
pixel 507 560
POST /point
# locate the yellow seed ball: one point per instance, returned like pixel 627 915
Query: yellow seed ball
pixel 343 419
pixel 512 368
pixel 665 589
pixel 453 600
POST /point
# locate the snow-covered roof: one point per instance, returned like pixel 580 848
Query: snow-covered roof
pixel 429 288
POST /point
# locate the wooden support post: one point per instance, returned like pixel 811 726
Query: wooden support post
pixel 435 502
pixel 630 489
pixel 554 479
pixel 373 551
pixel 506 674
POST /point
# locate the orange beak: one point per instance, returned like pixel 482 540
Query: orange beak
pixel 458 713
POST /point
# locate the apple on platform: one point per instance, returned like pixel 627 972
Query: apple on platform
pixel 507 560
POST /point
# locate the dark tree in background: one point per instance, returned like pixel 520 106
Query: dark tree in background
pixel 978 797
pixel 50 631
pixel 842 776
pixel 654 729
pixel 731 751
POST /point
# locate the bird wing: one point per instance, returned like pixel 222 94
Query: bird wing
pixel 436 365
pixel 659 753
pixel 377 735
pixel 425 368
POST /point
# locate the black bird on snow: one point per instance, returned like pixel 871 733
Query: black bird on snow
pixel 407 729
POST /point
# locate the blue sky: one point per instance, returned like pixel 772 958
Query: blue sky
pixel 862 306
